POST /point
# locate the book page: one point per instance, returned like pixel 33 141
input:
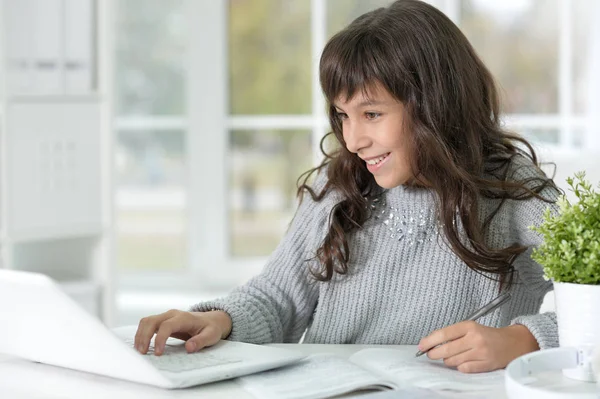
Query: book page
pixel 408 371
pixel 317 376
pixel 425 393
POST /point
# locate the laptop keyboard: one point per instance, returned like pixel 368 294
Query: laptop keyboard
pixel 176 359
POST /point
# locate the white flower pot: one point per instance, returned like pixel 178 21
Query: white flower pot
pixel 578 314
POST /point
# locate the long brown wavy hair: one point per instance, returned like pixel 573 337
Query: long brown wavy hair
pixel 455 138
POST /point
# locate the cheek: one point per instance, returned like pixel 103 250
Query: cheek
pixel 342 137
pixel 402 163
pixel 395 139
pixel 401 148
pixel 401 153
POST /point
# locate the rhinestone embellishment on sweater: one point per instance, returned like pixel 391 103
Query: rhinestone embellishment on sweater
pixel 414 227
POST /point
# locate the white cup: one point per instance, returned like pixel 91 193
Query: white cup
pixel 578 313
pixel 596 366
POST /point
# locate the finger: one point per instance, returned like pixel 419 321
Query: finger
pixel 450 333
pixel 184 336
pixel 167 327
pixel 208 336
pixel 464 357
pixel 477 366
pixel 146 329
pixel 449 349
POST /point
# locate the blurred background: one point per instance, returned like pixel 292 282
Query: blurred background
pixel 207 111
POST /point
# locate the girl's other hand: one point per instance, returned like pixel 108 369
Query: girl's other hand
pixel 198 329
pixel 474 348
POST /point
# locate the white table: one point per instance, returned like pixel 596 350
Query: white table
pixel 23 379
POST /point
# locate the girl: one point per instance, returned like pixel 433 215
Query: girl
pixel 420 216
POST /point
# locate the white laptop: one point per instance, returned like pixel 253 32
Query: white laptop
pixel 39 322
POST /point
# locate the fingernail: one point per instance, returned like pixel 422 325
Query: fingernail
pixel 192 346
pixel 140 348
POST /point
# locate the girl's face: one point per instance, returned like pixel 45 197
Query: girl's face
pixel 373 129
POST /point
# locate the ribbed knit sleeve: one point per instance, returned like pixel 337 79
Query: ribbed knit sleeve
pixel 526 214
pixel 277 305
pixel 542 326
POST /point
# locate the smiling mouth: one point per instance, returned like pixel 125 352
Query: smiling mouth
pixel 375 161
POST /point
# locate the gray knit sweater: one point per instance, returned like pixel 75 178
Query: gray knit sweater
pixel 404 281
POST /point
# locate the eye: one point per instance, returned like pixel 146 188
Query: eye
pixel 372 115
pixel 341 115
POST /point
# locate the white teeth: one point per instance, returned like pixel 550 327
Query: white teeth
pixel 375 161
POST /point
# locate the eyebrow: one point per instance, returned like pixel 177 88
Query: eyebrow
pixel 366 104
pixel 371 103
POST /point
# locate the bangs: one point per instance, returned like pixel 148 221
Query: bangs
pixel 353 63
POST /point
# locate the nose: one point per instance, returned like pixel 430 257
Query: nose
pixel 355 136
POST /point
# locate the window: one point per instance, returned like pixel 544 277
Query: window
pixel 518 42
pixel 264 166
pixel 220 110
pixel 269 119
pixel 525 43
pixel 151 173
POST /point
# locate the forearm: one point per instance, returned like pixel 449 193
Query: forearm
pixel 262 311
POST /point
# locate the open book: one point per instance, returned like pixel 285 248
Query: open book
pixel 327 375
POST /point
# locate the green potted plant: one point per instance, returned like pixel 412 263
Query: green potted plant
pixel 570 255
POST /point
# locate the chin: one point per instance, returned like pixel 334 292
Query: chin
pixel 386 182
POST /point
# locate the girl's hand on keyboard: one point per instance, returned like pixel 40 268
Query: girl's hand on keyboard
pixel 199 329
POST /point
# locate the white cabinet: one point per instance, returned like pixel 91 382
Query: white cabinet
pixel 53 168
pixel 50 46
pixel 55 141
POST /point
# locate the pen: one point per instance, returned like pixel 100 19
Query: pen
pixel 496 302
